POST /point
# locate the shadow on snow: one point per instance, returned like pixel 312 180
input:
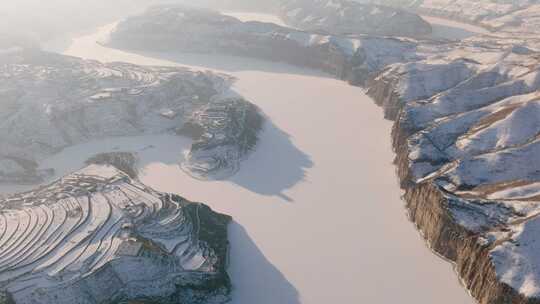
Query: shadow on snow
pixel 255 279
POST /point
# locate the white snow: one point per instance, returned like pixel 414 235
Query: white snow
pixel 249 16
pixel 523 192
pixel 516 260
pixel 317 206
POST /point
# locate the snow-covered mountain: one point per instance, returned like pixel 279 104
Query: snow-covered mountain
pixel 511 15
pixel 350 17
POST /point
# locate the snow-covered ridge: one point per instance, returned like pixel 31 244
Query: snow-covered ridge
pixel 186 29
pixel 471 101
pixel 51 102
pixel 350 17
pixel 515 15
pixel 98 236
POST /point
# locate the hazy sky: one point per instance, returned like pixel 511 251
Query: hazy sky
pixel 41 20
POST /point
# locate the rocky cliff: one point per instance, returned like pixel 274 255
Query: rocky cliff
pixel 467 159
pixel 98 236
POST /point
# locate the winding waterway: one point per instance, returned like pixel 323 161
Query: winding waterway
pixel 317 208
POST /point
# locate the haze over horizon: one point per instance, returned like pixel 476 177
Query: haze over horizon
pixel 36 21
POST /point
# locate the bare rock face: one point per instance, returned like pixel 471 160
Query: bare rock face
pixel 351 17
pixel 52 101
pixel 466 138
pixel 98 236
pixel 124 161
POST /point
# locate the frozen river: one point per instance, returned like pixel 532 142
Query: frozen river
pixel 317 208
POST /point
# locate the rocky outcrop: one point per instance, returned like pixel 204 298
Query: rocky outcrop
pixel 98 236
pixel 51 102
pixel 123 161
pixel 224 133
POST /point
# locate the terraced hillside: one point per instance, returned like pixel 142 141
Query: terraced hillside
pixel 52 101
pixel 98 236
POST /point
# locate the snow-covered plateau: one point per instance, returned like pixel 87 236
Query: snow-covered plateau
pixel 467 120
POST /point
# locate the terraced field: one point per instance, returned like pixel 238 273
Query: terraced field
pixel 94 229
